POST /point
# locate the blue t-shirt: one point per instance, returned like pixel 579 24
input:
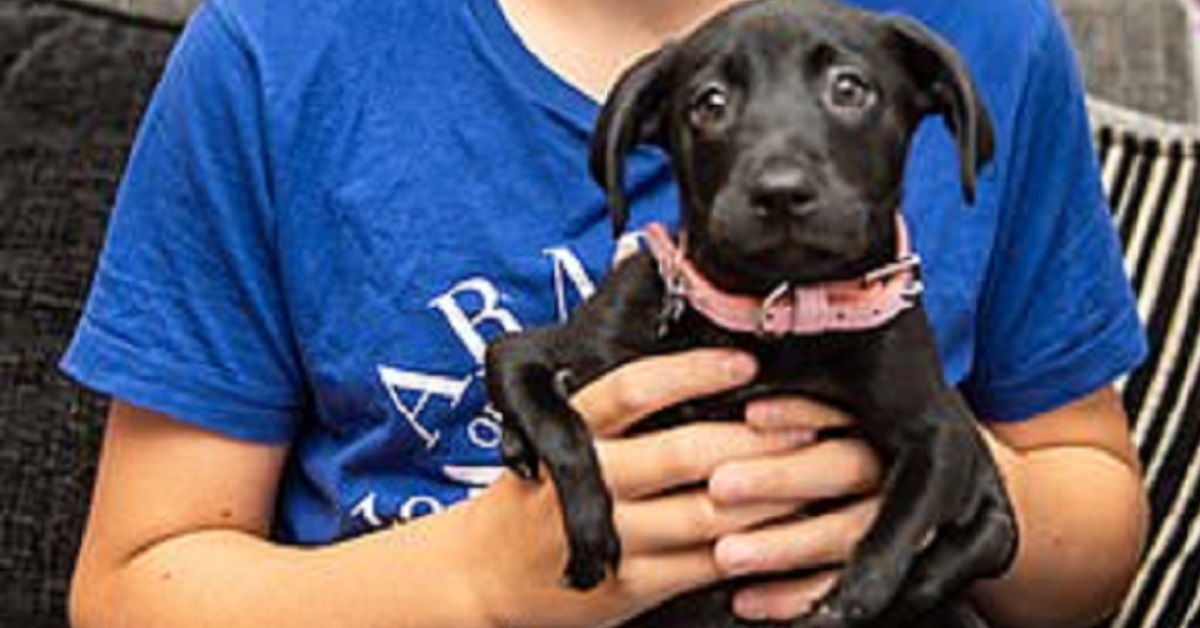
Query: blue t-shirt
pixel 332 205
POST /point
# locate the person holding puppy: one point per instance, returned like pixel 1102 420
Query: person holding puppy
pixel 331 208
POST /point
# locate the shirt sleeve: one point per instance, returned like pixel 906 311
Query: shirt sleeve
pixel 186 315
pixel 1057 317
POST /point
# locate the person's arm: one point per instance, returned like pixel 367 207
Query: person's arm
pixel 1075 481
pixel 1072 474
pixel 177 537
pixel 178 534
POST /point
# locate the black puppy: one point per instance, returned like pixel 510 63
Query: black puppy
pixel 788 123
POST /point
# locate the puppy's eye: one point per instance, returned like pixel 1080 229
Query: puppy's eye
pixel 709 108
pixel 849 91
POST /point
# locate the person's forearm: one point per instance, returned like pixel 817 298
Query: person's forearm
pixel 1082 514
pixel 403 576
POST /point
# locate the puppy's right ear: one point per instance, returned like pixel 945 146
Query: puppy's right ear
pixel 632 114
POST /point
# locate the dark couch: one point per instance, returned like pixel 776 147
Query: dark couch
pixel 72 85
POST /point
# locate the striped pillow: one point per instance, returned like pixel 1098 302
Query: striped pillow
pixel 1152 173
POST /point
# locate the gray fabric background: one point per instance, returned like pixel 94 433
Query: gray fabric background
pixel 1137 53
pixel 168 11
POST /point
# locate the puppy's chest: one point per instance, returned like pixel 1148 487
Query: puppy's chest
pixel 829 369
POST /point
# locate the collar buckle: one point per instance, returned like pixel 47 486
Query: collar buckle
pixel 769 311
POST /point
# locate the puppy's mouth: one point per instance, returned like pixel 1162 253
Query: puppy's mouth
pixel 753 256
pixel 759 274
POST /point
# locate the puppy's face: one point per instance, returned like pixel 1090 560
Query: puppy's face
pixel 788 123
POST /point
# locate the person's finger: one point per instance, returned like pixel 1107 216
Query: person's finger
pixel 783 600
pixel 665 575
pixel 772 413
pixel 651 463
pixel 800 544
pixel 631 392
pixel 685 519
pixel 831 468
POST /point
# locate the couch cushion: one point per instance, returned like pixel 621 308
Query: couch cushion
pixel 73 87
pixel 161 11
pixel 1152 172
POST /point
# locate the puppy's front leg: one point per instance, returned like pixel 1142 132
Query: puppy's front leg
pixel 540 426
pixel 979 540
pixel 882 559
pixel 944 520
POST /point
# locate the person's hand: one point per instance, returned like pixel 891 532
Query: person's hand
pixel 665 517
pixel 844 469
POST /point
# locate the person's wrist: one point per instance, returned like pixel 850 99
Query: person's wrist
pixel 486 597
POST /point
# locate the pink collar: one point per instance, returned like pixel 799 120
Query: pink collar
pixel 851 305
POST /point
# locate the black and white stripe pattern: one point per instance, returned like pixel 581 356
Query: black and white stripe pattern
pixel 1152 173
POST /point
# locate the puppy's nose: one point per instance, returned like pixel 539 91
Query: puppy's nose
pixel 783 190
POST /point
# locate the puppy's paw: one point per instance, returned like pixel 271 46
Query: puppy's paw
pixel 860 596
pixel 994 539
pixel 824 615
pixel 593 551
pixel 517 452
pixel 995 524
pixel 981 542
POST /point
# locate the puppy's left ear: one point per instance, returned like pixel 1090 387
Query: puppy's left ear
pixel 947 89
pixel 632 114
